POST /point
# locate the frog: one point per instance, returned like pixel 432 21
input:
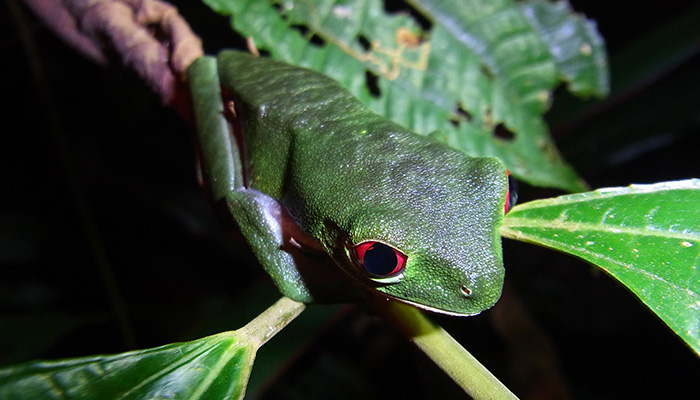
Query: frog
pixel 338 202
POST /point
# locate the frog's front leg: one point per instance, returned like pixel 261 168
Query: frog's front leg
pixel 295 262
pixel 260 217
pixel 261 220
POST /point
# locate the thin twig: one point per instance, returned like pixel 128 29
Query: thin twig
pixel 148 36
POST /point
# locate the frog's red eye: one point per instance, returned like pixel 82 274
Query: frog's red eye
pixel 512 193
pixel 380 259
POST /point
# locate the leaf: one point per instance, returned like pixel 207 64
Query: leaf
pixel 573 43
pixel 478 68
pixel 215 367
pixel 179 370
pixel 646 236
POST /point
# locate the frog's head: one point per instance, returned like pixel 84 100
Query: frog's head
pixel 436 244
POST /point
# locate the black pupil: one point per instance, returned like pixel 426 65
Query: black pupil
pixel 380 259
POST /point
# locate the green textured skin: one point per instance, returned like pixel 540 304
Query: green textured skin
pixel 346 175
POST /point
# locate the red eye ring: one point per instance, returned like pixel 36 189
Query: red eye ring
pixel 379 259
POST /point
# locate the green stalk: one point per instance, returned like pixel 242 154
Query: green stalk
pixel 271 321
pixel 445 351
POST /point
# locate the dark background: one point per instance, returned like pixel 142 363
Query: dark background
pixel 113 154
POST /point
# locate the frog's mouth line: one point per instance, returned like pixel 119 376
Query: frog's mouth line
pixel 431 309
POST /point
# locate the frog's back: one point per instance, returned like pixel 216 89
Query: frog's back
pixel 306 134
pixel 294 114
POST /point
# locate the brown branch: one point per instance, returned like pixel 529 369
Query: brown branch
pixel 127 28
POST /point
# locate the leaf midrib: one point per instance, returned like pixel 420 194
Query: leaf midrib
pixel 512 223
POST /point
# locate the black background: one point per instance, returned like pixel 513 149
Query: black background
pixel 180 276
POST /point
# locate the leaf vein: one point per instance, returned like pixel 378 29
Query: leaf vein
pixel 630 267
pixel 514 223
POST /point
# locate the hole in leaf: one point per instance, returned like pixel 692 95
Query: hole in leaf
pixel 364 42
pixel 317 40
pixel 460 114
pixel 372 82
pixel 311 36
pixel 402 6
pixel 303 29
pixel 503 133
pixel 487 71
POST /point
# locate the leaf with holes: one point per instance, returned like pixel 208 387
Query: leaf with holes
pixel 646 236
pixel 475 74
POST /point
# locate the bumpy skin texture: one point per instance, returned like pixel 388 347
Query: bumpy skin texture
pixel 346 175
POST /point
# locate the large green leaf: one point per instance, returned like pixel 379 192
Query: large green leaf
pixel 215 367
pixel 646 236
pixel 211 367
pixel 481 67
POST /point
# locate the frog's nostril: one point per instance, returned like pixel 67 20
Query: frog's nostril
pixel 466 292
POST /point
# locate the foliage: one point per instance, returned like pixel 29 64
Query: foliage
pixel 150 273
pixel 215 367
pixel 481 67
pixel 646 236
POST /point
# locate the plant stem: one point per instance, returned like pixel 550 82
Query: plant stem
pixel 445 351
pixel 271 321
